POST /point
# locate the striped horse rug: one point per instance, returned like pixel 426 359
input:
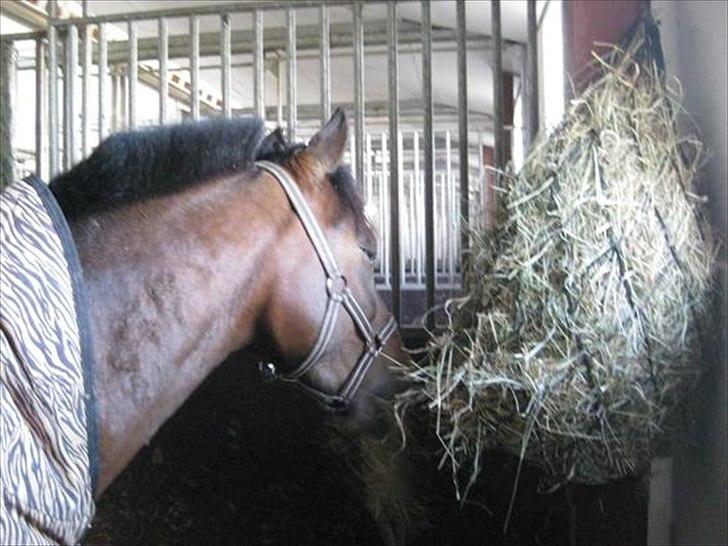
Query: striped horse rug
pixel 47 428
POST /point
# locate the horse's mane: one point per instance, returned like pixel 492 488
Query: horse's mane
pixel 138 165
pixel 143 164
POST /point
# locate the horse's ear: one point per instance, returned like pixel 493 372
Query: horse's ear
pixel 328 145
pixel 273 143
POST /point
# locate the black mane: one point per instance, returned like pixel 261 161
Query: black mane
pixel 139 165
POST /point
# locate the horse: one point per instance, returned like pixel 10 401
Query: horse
pixel 201 239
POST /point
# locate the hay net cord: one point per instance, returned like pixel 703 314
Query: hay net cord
pixel 576 336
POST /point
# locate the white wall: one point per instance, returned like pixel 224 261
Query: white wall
pixel 695 36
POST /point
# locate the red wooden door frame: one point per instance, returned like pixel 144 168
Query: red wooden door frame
pixel 588 21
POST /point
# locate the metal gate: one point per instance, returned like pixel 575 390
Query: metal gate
pixel 420 165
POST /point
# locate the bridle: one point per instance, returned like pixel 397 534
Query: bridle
pixel 339 295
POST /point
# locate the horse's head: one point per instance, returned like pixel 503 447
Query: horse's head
pixel 327 327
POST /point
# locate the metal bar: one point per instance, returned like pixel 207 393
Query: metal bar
pixel 325 64
pixel 291 72
pixel 163 48
pixel 279 89
pixel 8 113
pixel 133 75
pixel 103 74
pixel 308 42
pixel 463 136
pixel 497 90
pixel 40 106
pixel 69 95
pixel 418 202
pixel 352 154
pixel 53 157
pixel 359 91
pixel 195 67
pixel 86 91
pixel 449 219
pixel 21 36
pixel 123 101
pixel 530 80
pixel 215 9
pixel 429 153
pixel 368 171
pixel 225 59
pixel 86 62
pixel 259 64
pixel 386 215
pixel 114 77
pixel 412 226
pixel 401 198
pixel 394 181
pixel 480 214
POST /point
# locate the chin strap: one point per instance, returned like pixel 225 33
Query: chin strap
pixel 339 295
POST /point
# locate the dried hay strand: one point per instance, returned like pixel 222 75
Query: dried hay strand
pixel 578 332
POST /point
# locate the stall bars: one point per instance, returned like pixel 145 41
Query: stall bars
pixel 398 265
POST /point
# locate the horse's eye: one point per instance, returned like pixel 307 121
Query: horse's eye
pixel 370 254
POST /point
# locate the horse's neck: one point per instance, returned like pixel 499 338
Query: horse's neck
pixel 174 286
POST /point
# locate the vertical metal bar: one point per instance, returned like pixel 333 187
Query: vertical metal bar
pixel 530 83
pixel 279 84
pixel 449 219
pixel 386 211
pixel 103 74
pixel 114 101
pixel 123 101
pixel 401 198
pixel 351 153
pixel 53 157
pixel 359 90
pixel 291 73
pixel 418 203
pixel 163 50
pixel 8 112
pixel 480 214
pixel 394 181
pixel 86 62
pixel 195 67
pixel 133 74
pixel 69 93
pixel 86 90
pixel 429 153
pixel 368 170
pixel 497 66
pixel 412 226
pixel 40 107
pixel 225 59
pixel 463 136
pixel 259 64
pixel 325 64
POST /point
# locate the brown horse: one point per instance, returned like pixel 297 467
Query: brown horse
pixel 191 251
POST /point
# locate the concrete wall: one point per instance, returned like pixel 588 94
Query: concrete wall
pixel 695 39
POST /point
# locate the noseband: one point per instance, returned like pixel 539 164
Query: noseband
pixel 339 295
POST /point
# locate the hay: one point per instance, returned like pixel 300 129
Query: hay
pixel 577 336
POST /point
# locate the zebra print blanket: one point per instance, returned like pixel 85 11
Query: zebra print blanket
pixel 47 428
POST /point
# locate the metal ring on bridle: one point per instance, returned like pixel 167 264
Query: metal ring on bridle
pixel 337 287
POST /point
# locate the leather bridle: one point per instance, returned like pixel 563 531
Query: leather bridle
pixel 339 295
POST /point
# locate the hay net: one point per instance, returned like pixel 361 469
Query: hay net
pixel 577 333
